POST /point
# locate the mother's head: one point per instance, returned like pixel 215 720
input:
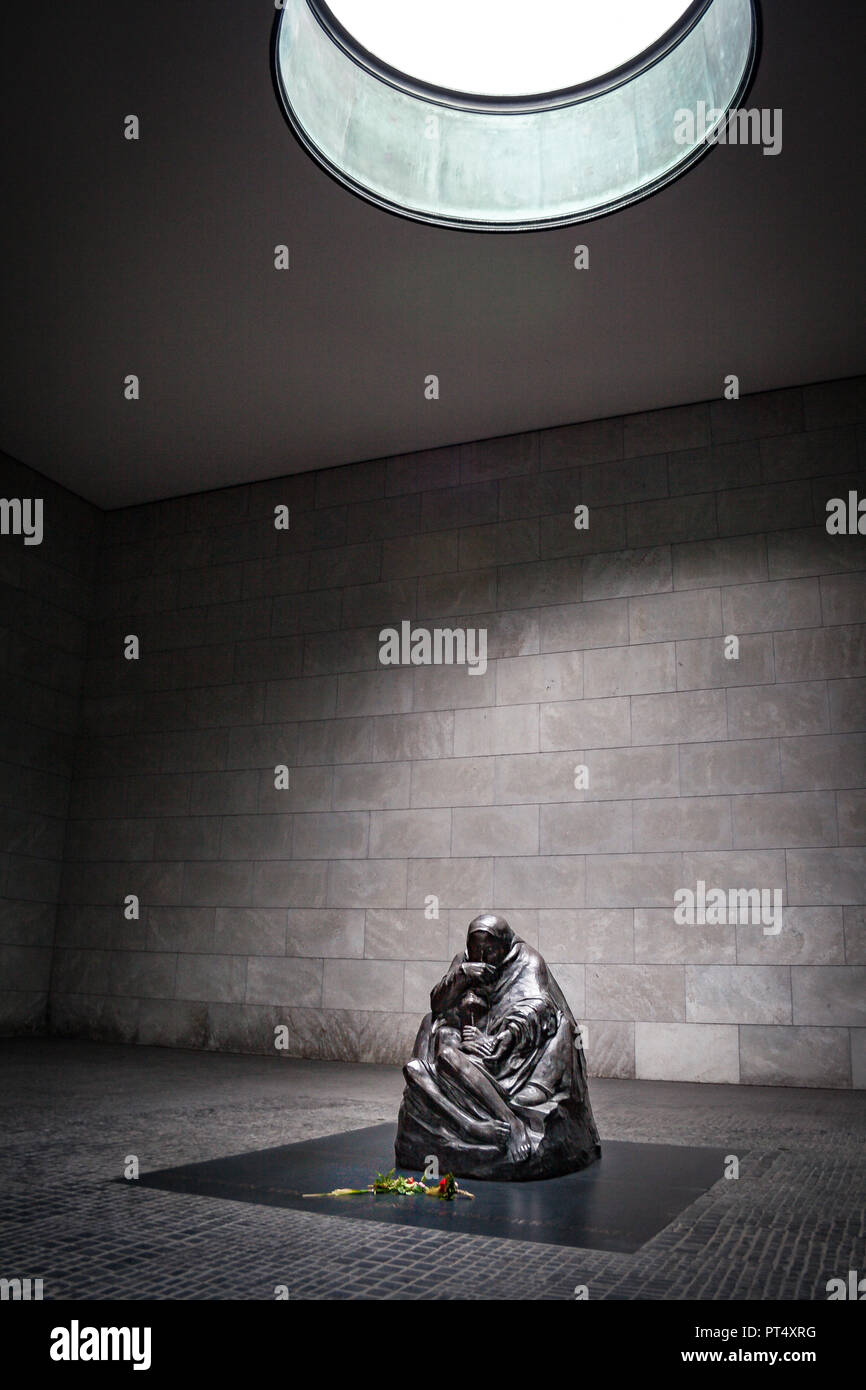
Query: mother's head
pixel 489 938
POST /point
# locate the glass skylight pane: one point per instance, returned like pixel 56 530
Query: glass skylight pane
pixel 507 47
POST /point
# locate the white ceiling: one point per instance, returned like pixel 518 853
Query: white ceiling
pixel 156 258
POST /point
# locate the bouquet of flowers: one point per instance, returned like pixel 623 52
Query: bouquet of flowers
pixel 446 1189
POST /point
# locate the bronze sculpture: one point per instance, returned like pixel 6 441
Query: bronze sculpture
pixel 496 1086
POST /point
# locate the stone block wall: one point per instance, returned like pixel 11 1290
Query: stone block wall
pixel 415 789
pixel 46 596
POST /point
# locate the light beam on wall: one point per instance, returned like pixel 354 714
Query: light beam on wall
pixel 502 115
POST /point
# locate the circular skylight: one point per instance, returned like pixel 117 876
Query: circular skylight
pixel 506 47
pixel 493 116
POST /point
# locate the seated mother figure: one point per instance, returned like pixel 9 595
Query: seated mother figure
pixel 496 1086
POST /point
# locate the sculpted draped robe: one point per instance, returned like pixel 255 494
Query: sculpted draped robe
pixel 541 1074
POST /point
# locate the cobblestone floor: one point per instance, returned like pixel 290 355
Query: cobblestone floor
pixel 70 1112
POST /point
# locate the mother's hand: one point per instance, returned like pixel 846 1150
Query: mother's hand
pixel 478 970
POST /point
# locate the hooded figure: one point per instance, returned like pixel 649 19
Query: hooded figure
pixel 496 1086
